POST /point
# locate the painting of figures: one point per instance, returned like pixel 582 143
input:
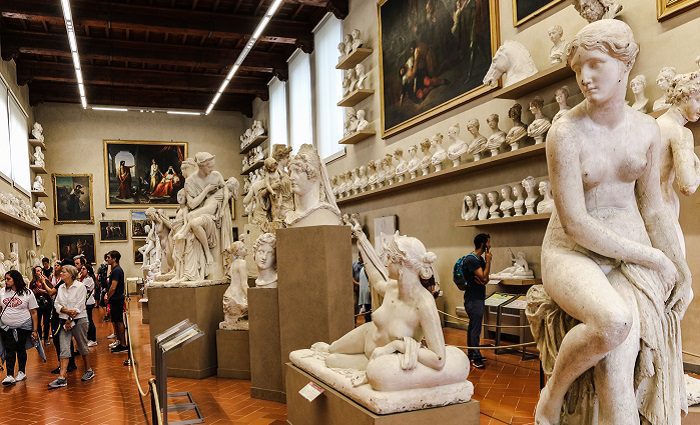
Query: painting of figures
pixel 524 10
pixel 71 245
pixel 143 173
pixel 433 56
pixel 113 231
pixel 72 198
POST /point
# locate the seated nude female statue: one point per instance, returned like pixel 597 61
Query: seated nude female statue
pixel 611 262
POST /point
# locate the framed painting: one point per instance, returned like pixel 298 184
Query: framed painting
pixel 141 173
pixel 113 231
pixel 71 245
pixel 138 255
pixel 433 56
pixel 72 194
pixel 524 10
pixel 668 8
pixel 138 224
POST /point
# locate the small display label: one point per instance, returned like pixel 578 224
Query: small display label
pixel 311 391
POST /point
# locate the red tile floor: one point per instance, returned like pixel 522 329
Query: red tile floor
pixel 507 389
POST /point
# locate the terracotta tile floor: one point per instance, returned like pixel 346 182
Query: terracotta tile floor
pixel 507 389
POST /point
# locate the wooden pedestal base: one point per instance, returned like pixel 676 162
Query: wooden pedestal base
pixel 232 354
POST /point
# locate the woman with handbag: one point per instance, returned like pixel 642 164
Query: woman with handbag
pixel 18 321
pixel 44 301
pixel 87 277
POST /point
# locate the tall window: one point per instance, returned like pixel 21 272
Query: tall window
pixel 300 110
pixel 19 147
pixel 328 85
pixel 5 160
pixel 278 112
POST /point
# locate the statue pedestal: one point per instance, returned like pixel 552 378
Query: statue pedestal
pixel 143 302
pixel 265 363
pixel 332 407
pixel 314 266
pixel 202 305
pixel 232 354
pixel 693 416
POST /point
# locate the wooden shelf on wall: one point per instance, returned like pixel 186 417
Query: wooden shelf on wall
pixel 538 81
pixel 40 193
pixel 9 218
pixel 468 167
pixel 356 137
pixel 37 142
pixel 355 97
pixel 38 169
pixel 43 218
pixel 254 144
pixel 503 220
pixel 519 282
pixel 252 168
pixel 349 61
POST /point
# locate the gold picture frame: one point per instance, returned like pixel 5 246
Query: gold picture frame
pixel 114 231
pixel 68 246
pixel 520 17
pixel 70 201
pixel 669 8
pixel 136 255
pixel 394 125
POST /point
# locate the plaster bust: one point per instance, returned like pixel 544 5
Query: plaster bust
pixel 507 204
pixel 413 161
pixel 512 59
pixel 401 165
pixel 458 147
pixel 494 211
pixel 425 162
pixel 663 80
pixel 362 123
pixel 529 186
pixel 350 121
pixel 546 205
pixel 357 41
pixel 265 256
pixel 360 77
pixel 362 173
pixel 497 137
pixel 469 211
pixel 235 302
pixel 38 157
pixel 638 86
pixel 38 184
pixel 439 153
pixel 478 144
pixel 38 132
pixel 518 132
pixel 557 53
pixel 595 10
pixel 40 208
pixel 539 127
pixel 389 169
pixel 483 212
pixel 561 96
pixel 347 42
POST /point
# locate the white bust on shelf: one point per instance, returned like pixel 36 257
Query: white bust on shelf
pixel 540 126
pixel 341 49
pixel 561 96
pixel 425 162
pixel 413 162
pixel 372 174
pixel 347 42
pixel 360 77
pixel 350 121
pixel 356 181
pixel 235 301
pixel 40 208
pixel 494 210
pixel 638 86
pixel 557 53
pixel 257 129
pixel 546 205
pixel 362 123
pixel 38 132
pixel 507 203
pixel 349 81
pixel 512 59
pixel 38 157
pixel 457 147
pixel 518 132
pixel 439 153
pixel 483 209
pixel 362 173
pixel 265 256
pixel 357 41
pixel 38 185
pixel 401 165
pixel 519 270
pixel 469 210
pixel 532 196
pixel 497 138
pixel 595 10
pixel 477 145
pixel 663 80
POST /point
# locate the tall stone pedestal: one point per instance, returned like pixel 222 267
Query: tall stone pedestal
pixel 693 417
pixel 202 305
pixel 233 354
pixel 265 363
pixel 314 267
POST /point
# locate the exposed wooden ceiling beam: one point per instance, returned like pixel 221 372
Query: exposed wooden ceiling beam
pixel 339 8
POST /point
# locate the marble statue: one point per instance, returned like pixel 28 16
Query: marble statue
pixel 413 162
pixel 512 59
pixel 151 254
pixel 349 81
pixel 546 205
pixel 355 181
pixel 38 134
pixel 314 202
pixel 336 186
pixel 381 172
pixel 519 270
pixel 38 157
pixel 457 147
pixel 235 300
pixel 497 138
pixel 33 259
pixel 663 80
pixel 612 351
pixel 518 132
pixel 13 261
pixel 362 173
pixel 483 209
pixel 561 96
pixel 439 153
pixel 265 255
pixel 38 185
pixel 641 101
pixel 507 204
pixel 557 53
pixel 362 123
pixel 347 42
pixel 162 228
pixel 349 183
pixel 357 41
pixel 40 208
pixel 469 211
pixel 5 204
pixel 360 77
pixel 350 121
pixel 595 10
pixel 540 126
pixel 529 185
pixel 494 211
pixel 280 186
pixel 402 351
pixel 389 169
pixel 372 174
pixel 257 129
pixel 401 165
pixel 425 162
pixel 3 269
pixel 477 146
pixel 341 49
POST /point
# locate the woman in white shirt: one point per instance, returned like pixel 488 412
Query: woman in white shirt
pixel 87 277
pixel 18 320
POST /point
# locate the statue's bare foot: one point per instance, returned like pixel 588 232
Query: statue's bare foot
pixel 547 411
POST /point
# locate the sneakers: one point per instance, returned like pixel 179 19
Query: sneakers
pixel 58 383
pixel 9 380
pixel 88 375
pixel 119 349
pixel 21 376
pixel 478 363
pixel 112 336
pixel 91 343
pixel 113 344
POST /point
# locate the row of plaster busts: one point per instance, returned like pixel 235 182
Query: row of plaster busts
pixel 513 201
pixel 38 184
pixel 255 131
pixel 14 206
pixel 351 42
pixel 255 155
pixel 38 132
pixel 638 85
pixel 38 157
pixel 355 79
pixel 355 121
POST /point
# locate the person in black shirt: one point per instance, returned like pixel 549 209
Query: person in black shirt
pixel 477 267
pixel 115 298
pixel 46 268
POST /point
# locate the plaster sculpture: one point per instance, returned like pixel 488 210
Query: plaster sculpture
pixel 349 81
pixel 342 185
pixel 595 10
pixel 341 49
pixel 532 197
pixel 483 209
pixel 557 53
pixel 32 259
pixel 13 261
pixel 362 173
pixel 38 184
pixel 347 41
pixel 265 256
pixel 497 138
pixel 350 121
pixel 663 80
pixel 413 162
pixel 507 204
pixel 5 204
pixel 425 146
pixel 162 227
pixel 389 169
pixel 350 183
pixel 362 123
pixel 257 129
pixel 360 77
pixel 512 59
pixel 355 181
pixel 518 132
pixel 151 253
pixel 314 201
pixel 40 208
pixel 457 147
pixel 692 387
pixel 561 96
pixel 638 85
pixel 3 269
pixel 477 146
pixel 385 366
pixel 260 155
pixel 235 300
pixel 439 153
pixel 38 157
pixel 539 127
pixel 615 346
pixel 546 205
pixel 401 165
pixel 357 41
pixel 519 270
pixel 37 133
pixel 381 173
pixel 494 211
pixel 372 174
pixel 469 211
pixel 246 184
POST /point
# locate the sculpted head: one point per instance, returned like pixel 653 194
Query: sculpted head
pixel 492 121
pixel 151 213
pixel 555 33
pixel 543 187
pixel 515 112
pixel 453 131
pixel 437 139
pixel 205 162
pixel 480 199
pixel 469 201
pixel 398 153
pixel 595 10
pixel 408 254
pixel 561 95
pixel 281 153
pixel 425 145
pixel 264 251
pixel 412 150
pixel 506 191
pixel 638 84
pixel 663 80
pixel 473 126
pixel 305 170
pixel 536 104
pixel 238 249
pixel 492 197
pixel 684 93
pixel 528 184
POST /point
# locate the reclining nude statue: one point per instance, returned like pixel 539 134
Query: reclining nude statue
pixel 615 281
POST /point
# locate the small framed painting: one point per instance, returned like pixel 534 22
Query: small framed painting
pixel 668 8
pixel 113 231
pixel 138 256
pixel 138 224
pixel 524 10
pixel 72 194
pixel 82 244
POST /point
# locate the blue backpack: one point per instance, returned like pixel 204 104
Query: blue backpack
pixel 458 273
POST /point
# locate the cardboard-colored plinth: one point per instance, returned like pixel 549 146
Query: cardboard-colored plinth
pixel 201 305
pixel 144 311
pixel 334 408
pixel 315 288
pixel 265 365
pixel 232 354
pixel 693 417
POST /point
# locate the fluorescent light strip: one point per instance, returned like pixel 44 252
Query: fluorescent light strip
pixel 244 53
pixel 73 43
pixel 182 113
pixel 105 108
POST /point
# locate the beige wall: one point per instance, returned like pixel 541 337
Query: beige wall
pixel 74 139
pixel 429 212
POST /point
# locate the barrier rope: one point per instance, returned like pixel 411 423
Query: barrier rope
pixel 464 320
pixel 499 347
pixel 152 389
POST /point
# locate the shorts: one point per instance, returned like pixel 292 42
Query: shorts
pixel 116 311
pixel 79 332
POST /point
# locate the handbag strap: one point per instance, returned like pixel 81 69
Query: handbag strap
pixel 5 307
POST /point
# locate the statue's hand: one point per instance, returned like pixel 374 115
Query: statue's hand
pixel 682 293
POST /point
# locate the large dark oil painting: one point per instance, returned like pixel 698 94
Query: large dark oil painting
pixel 143 173
pixel 524 10
pixel 433 56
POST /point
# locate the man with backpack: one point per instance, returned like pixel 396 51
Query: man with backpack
pixel 471 274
